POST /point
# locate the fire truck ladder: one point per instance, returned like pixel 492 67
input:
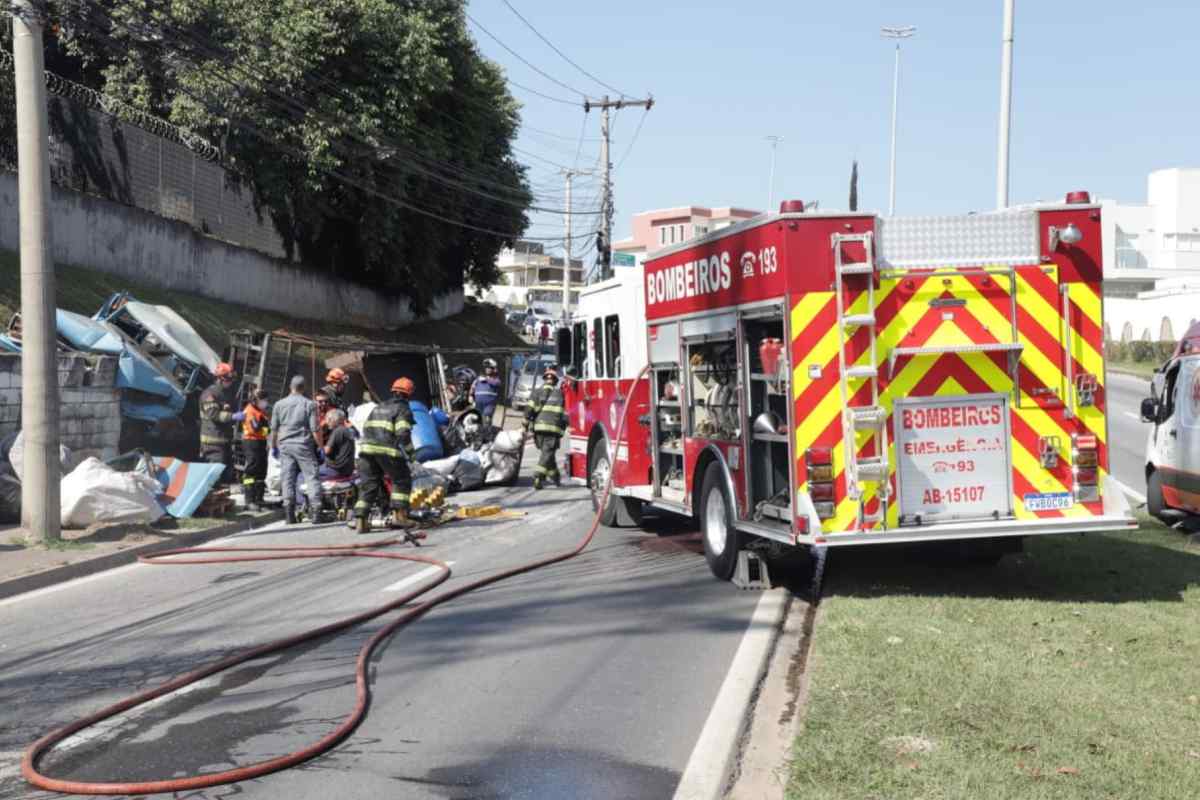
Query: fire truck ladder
pixel 871 416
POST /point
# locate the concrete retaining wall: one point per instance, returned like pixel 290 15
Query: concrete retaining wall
pixel 90 404
pixel 140 246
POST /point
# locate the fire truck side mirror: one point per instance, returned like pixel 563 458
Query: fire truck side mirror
pixel 562 348
pixel 1149 410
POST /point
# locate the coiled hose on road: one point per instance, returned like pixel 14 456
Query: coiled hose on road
pixel 29 762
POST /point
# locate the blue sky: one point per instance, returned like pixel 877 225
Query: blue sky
pixel 1103 93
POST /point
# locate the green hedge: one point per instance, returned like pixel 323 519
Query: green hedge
pixel 1139 351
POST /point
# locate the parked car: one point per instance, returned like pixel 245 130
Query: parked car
pixel 515 320
pixel 531 378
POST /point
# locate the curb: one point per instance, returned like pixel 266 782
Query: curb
pixel 714 758
pixel 80 569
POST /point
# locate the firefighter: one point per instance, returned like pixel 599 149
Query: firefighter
pixel 255 427
pixel 385 449
pixel 548 418
pixel 336 381
pixel 217 419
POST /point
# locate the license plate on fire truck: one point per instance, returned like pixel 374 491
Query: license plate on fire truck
pixel 953 459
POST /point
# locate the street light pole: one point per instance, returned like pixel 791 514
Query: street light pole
pixel 895 33
pixel 774 140
pixel 40 490
pixel 1005 107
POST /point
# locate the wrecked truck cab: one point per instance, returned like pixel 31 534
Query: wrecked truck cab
pixel 165 337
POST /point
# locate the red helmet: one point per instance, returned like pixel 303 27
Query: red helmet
pixel 337 375
pixel 402 386
pixel 223 370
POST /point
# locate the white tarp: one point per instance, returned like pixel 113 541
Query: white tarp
pixel 95 492
pixel 174 332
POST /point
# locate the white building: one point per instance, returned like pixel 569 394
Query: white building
pixel 654 230
pixel 1152 259
pixel 530 277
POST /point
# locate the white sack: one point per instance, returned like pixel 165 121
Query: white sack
pixel 442 466
pixel 508 441
pixel 274 479
pixel 358 418
pixel 16 457
pixel 95 492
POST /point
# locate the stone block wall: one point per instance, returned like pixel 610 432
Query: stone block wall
pixel 89 420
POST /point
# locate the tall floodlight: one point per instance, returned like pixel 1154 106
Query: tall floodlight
pixel 774 140
pixel 896 33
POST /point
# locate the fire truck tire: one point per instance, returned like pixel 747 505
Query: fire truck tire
pixel 721 539
pixel 1155 505
pixel 619 512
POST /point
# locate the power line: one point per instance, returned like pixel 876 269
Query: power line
pixel 524 60
pixel 347 180
pixel 632 141
pixel 564 56
pixel 414 159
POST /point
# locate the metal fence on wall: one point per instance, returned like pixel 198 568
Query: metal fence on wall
pixel 102 147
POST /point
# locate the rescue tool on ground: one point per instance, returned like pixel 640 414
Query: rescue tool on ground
pixel 830 379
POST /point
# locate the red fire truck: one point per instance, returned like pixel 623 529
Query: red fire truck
pixel 829 379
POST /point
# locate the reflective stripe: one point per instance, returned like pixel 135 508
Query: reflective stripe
pixel 545 427
pixel 213 440
pixel 551 410
pixel 402 425
pixel 399 496
pixel 248 481
pixel 379 423
pixel 361 505
pixel 540 470
pixel 379 450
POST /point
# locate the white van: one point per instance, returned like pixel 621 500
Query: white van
pixel 1173 448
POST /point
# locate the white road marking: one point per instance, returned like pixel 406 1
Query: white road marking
pixel 107 726
pixel 712 758
pixel 415 578
pixel 1138 496
pixel 1132 416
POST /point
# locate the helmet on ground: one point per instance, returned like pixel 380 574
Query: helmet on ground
pixel 402 386
pixel 489 363
pixel 337 375
pixel 223 370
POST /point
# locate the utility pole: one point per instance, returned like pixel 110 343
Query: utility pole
pixel 1005 106
pixel 774 140
pixel 40 492
pixel 895 33
pixel 569 174
pixel 606 207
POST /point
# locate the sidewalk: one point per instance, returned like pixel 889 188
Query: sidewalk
pixel 25 564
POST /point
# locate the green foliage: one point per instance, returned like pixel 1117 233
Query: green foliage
pixel 1139 351
pixel 381 92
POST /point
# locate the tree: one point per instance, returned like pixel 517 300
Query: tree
pixel 346 118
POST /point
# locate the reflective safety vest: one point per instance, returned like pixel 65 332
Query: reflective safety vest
pixel 216 420
pixel 388 430
pixel 256 425
pixel 546 410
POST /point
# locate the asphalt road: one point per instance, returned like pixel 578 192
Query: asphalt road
pixel 1126 432
pixel 589 679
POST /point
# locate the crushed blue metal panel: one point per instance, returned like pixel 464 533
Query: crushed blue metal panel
pixel 185 484
pixel 165 336
pixel 85 333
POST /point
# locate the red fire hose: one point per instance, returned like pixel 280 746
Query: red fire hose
pixel 29 763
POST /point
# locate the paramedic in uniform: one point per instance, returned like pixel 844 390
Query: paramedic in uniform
pixel 294 443
pixel 385 449
pixel 548 418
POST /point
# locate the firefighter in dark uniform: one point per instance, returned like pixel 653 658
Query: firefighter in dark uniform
pixel 336 382
pixel 217 419
pixel 385 449
pixel 548 418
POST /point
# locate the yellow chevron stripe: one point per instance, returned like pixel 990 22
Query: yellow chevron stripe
pixel 1089 303
pixel 1083 351
pixel 804 311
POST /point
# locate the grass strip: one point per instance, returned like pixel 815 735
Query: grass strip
pixel 1069 671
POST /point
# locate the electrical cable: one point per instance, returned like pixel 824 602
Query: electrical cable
pixel 32 755
pixel 538 33
pixel 302 156
pixel 524 60
pixel 290 104
pixel 633 141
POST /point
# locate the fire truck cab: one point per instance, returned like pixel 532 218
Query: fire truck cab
pixel 831 379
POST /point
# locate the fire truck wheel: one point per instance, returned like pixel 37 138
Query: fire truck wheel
pixel 1154 495
pixel 619 512
pixel 721 539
